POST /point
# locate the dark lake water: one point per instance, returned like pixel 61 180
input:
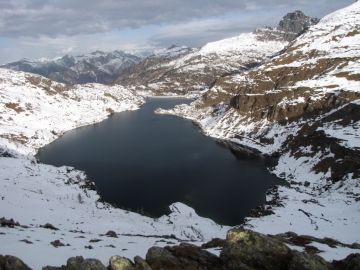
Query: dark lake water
pixel 141 159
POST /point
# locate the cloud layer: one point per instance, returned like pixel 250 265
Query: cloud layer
pixel 68 17
pixel 80 25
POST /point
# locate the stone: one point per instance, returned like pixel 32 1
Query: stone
pixel 351 262
pixel 49 226
pixel 8 223
pixel 8 262
pixel 111 234
pixel 305 261
pixel 78 263
pixel 141 264
pixel 159 258
pixel 194 257
pixel 57 243
pixel 255 250
pixel 215 242
pixel 63 267
pixel 74 263
pixel 120 263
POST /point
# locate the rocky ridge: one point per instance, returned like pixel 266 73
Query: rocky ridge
pixel 197 70
pixel 96 67
pixel 302 105
pixel 242 249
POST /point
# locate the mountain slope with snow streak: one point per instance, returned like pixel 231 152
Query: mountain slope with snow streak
pixel 303 105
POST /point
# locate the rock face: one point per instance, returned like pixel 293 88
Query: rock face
pixel 303 105
pixel 198 69
pixel 100 67
pixel 294 23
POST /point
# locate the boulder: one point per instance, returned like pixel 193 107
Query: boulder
pixel 79 263
pixel 111 234
pixel 194 257
pixel 120 263
pixel 351 262
pixel 255 250
pixel 141 264
pixel 214 243
pixel 305 261
pixel 49 226
pixel 12 263
pixel 158 258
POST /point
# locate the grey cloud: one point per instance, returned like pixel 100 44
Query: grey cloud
pixel 71 17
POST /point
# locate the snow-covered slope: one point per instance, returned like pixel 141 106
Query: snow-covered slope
pixel 100 67
pixel 171 52
pixel 304 106
pixel 35 111
pixel 198 69
pixel 36 194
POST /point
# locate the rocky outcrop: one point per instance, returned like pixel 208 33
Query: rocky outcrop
pixel 243 249
pixel 294 23
pixel 185 256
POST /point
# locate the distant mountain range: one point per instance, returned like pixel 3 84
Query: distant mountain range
pixel 199 68
pixel 177 68
pixel 100 67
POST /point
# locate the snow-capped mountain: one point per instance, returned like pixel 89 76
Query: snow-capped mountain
pixel 100 67
pixel 96 67
pixel 303 105
pixel 171 52
pixel 197 70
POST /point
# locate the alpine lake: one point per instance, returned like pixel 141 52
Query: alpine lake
pixel 142 160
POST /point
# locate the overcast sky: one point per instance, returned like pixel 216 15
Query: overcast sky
pixel 53 28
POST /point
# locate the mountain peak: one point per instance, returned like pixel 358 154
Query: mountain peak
pixel 296 22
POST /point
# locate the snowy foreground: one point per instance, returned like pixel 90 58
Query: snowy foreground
pixel 34 112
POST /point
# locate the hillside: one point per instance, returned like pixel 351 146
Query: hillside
pixel 198 69
pixel 35 110
pixel 302 105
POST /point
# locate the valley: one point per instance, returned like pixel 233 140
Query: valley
pixel 275 92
